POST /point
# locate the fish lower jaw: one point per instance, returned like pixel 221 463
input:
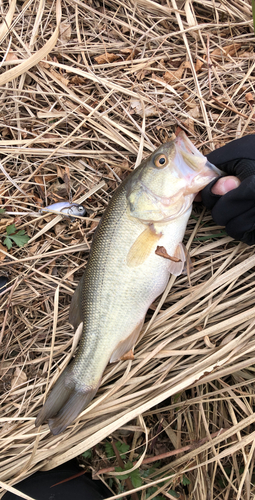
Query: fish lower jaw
pixel 181 209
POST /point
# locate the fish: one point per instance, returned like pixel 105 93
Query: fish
pixel 126 272
pixel 66 208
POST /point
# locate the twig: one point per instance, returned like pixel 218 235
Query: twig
pixel 150 460
pixel 7 309
pixel 128 482
pixel 209 65
pixel 229 107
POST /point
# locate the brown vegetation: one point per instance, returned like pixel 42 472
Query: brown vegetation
pixel 88 89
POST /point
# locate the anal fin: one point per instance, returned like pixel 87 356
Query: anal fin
pixel 128 356
pixel 125 346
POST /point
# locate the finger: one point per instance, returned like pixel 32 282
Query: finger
pixel 225 184
pixel 198 197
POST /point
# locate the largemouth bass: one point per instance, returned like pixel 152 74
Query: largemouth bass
pixel 125 272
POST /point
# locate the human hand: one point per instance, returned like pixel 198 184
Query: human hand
pixel 225 184
pixel 232 198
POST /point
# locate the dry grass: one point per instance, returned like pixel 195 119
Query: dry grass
pixel 116 79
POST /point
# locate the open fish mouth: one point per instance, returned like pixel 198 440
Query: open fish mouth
pixel 191 155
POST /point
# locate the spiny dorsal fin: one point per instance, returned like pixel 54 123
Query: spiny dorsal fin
pixel 75 311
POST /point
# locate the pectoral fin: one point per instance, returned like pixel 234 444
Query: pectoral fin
pixel 176 268
pixel 124 347
pixel 143 246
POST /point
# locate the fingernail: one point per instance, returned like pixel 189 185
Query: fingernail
pixel 230 184
pixel 223 186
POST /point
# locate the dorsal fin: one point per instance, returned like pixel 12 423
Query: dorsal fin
pixel 75 311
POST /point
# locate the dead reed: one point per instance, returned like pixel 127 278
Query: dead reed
pixel 88 89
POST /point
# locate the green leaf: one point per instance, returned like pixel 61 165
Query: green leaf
pixel 20 239
pixel 8 242
pixel 210 236
pixel 152 490
pixel 125 476
pixel 185 481
pixel 146 473
pixel 127 466
pixel 11 229
pixel 121 447
pixel 135 478
pixel 109 450
pixel 173 493
pixel 133 475
pixel 2 211
pixel 87 454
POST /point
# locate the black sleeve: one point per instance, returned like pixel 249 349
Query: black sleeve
pixel 236 209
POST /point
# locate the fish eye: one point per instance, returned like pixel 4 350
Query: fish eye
pixel 80 208
pixel 160 161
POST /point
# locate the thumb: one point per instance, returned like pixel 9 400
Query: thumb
pixel 225 184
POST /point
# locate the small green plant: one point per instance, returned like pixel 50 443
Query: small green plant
pixel 185 481
pixel 222 234
pixel 87 454
pixel 18 237
pixel 151 491
pixel 134 475
pixel 121 447
pixel 173 493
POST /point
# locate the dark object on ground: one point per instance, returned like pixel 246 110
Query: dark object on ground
pixel 235 209
pixel 3 282
pixel 38 486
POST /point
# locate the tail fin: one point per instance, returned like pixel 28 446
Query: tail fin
pixel 64 403
pixel 75 404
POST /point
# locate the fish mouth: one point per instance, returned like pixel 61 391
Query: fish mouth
pixel 190 154
pixel 191 165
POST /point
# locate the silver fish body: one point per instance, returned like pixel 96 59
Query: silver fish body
pixel 66 208
pixel 124 274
